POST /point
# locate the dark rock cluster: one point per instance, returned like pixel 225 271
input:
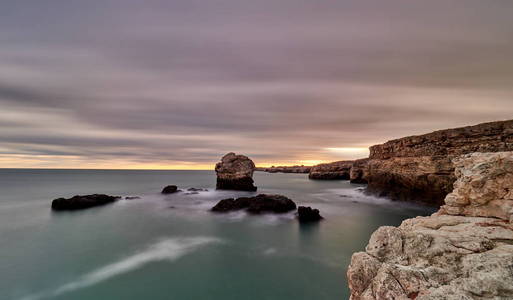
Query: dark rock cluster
pixel 262 203
pixel 82 202
pixel 170 189
pixel 306 214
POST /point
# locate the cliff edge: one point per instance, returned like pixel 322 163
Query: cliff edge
pixel 464 251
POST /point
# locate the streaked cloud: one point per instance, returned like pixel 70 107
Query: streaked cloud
pixel 176 84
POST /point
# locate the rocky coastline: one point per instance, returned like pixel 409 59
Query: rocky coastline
pixel 286 169
pixel 419 168
pixel 463 251
pixel 332 171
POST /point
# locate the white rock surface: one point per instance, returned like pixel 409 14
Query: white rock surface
pixel 464 251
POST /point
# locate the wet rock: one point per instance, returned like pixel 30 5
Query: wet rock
pixel 170 189
pixel 196 190
pixel 82 202
pixel 262 203
pixel 306 214
pixel 235 172
pixel 132 197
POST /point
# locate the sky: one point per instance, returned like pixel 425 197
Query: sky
pixel 175 84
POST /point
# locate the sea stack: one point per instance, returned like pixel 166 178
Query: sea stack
pixel 235 172
pixel 464 251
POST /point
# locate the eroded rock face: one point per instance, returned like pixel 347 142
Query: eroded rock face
pixel 331 171
pixel 359 171
pixel 82 202
pixel 419 167
pixel 262 203
pixel 447 256
pixel 424 179
pixel 235 172
pixel 484 187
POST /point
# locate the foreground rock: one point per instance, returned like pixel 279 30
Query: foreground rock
pixel 82 202
pixel 256 205
pixel 331 171
pixel 306 214
pixel 464 251
pixel 286 169
pixel 235 172
pixel 420 167
pixel 170 189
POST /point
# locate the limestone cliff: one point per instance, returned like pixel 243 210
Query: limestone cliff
pixel 464 251
pixel 420 167
pixel 334 170
pixel 286 169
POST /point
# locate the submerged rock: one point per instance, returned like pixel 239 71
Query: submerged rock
pixel 332 171
pixel 464 251
pixel 235 172
pixel 132 197
pixel 262 203
pixel 170 189
pixel 82 202
pixel 306 214
pixel 197 190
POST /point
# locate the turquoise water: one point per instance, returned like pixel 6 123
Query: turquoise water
pixel 172 247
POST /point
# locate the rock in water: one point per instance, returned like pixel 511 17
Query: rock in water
pixel 256 205
pixel 332 171
pixel 306 214
pixel 235 172
pixel 464 251
pixel 82 202
pixel 170 189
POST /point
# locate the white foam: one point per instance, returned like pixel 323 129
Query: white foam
pixel 167 249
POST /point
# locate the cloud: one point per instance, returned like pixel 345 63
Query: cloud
pixel 167 83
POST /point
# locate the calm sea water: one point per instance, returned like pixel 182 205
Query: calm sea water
pixel 172 247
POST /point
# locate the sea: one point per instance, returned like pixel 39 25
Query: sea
pixel 172 246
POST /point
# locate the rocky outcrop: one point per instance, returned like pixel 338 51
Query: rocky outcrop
pixel 235 172
pixel 170 189
pixel 484 187
pixel 420 167
pixel 331 171
pixel 286 169
pixel 82 202
pixel 256 205
pixel 359 171
pixel 464 251
pixel 306 214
